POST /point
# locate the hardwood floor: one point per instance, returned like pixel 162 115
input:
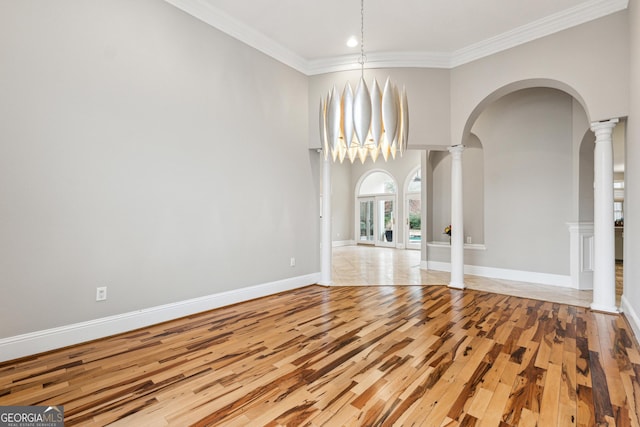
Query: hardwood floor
pixel 367 355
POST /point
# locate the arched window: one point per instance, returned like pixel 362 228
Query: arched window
pixel 377 183
pixel 415 183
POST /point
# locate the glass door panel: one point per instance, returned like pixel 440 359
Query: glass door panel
pixel 366 221
pixel 414 218
pixel 385 221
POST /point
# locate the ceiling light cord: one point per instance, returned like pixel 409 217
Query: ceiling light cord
pixel 363 57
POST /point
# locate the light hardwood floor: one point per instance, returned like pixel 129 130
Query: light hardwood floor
pixel 350 355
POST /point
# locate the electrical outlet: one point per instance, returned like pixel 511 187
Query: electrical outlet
pixel 101 293
pixel 292 263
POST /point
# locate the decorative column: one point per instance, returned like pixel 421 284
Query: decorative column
pixel 325 223
pixel 457 219
pixel 604 273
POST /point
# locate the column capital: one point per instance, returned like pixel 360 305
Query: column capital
pixel 456 149
pixel 606 125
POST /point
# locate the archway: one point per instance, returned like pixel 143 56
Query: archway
pixel 376 207
pixel 528 135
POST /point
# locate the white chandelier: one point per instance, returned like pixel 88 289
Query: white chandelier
pixel 365 122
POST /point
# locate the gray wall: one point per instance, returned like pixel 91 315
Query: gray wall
pixel 145 151
pixel 586 167
pixel 589 61
pixel 341 202
pixel 112 170
pixel 632 173
pixel 439 208
pixel 527 145
pixel 527 139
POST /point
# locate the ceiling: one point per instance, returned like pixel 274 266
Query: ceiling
pixel 311 35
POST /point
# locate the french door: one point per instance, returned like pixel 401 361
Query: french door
pixel 377 220
pixel 367 232
pixel 413 211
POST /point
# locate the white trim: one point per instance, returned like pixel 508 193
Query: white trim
pixel 206 12
pixel 604 308
pixel 380 60
pixel 507 274
pixel 579 14
pixel 338 243
pixel 470 246
pixel 631 315
pixel 63 336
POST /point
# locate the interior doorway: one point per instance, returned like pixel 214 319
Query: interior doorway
pixel 413 211
pixel 376 210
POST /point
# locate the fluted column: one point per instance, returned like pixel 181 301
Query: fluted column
pixel 325 221
pixel 457 219
pixel 604 273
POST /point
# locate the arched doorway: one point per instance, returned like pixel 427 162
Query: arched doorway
pixel 413 209
pixel 376 209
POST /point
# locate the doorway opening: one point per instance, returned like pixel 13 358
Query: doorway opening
pixel 376 212
pixel 413 210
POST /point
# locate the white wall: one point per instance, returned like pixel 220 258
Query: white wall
pixel 143 150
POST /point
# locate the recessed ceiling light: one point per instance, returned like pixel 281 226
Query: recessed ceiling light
pixel 352 42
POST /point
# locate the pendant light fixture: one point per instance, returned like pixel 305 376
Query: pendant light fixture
pixel 365 122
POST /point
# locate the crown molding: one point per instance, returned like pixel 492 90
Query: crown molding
pixel 204 11
pixel 380 60
pixel 580 14
pixel 551 24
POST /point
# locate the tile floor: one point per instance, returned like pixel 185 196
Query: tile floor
pixel 366 265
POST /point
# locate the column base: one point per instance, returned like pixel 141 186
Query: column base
pixel 604 308
pixel 456 285
pixel 325 282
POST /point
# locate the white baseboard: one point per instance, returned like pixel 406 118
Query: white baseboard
pixel 506 274
pixel 337 243
pixel 631 316
pixel 51 339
